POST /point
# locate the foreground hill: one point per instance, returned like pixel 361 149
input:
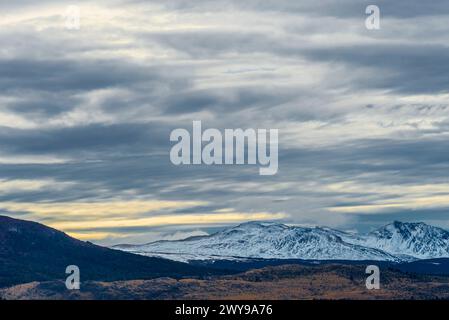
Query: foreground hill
pixel 30 251
pixel 395 242
pixel 280 282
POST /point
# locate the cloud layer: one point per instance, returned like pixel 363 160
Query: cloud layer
pixel 85 115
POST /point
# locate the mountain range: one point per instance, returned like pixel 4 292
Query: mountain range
pixel 396 242
pixel 32 253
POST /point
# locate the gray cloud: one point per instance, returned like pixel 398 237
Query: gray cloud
pixel 410 69
pixel 343 8
pixel 352 107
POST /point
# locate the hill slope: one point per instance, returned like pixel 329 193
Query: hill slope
pixel 30 251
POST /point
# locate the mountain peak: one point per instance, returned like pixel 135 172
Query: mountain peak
pixel 259 224
pixel 408 224
pixel 416 239
pixel 407 227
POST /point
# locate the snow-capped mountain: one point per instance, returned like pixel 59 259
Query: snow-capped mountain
pixel 262 240
pixel 417 240
pixel 394 242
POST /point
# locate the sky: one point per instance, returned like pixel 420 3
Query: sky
pixel 86 115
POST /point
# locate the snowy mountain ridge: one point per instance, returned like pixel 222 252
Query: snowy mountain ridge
pixel 397 241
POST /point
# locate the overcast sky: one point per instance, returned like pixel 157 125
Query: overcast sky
pixel 86 115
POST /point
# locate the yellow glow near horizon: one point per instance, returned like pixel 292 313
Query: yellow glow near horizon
pixel 166 220
pixel 94 210
pixel 83 219
pixel 92 236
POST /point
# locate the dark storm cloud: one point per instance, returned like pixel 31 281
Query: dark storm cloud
pixel 398 67
pixel 407 68
pixel 95 138
pixel 42 104
pixel 226 100
pixel 48 88
pixel 202 44
pixel 388 161
pixel 70 75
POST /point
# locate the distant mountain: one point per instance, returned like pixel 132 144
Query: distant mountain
pixel 394 242
pixel 30 251
pixel 417 240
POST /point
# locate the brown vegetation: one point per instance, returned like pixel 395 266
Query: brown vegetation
pixel 280 282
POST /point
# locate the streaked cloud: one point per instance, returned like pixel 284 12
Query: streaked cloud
pixel 85 115
pixel 92 211
pixel 169 220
